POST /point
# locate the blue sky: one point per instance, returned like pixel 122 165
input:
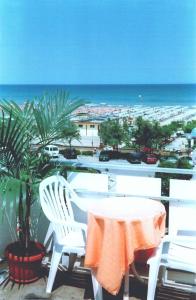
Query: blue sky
pixel 97 41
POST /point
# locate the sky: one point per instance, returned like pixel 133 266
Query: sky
pixel 97 41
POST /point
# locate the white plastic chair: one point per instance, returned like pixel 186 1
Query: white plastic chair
pixel 81 185
pixel 182 212
pixel 69 235
pixel 178 249
pixel 88 182
pixel 138 186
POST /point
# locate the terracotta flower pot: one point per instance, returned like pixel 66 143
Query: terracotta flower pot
pixel 24 268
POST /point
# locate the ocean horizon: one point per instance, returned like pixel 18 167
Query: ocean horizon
pixel 108 94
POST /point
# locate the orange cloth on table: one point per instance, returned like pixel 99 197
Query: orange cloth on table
pixel 115 231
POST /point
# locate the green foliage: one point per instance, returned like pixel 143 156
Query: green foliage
pixel 175 125
pixel 64 169
pixel 127 133
pixel 112 133
pixel 71 132
pixel 78 152
pixel 146 133
pixel 21 169
pixel 189 126
pixel 167 176
pixel 87 152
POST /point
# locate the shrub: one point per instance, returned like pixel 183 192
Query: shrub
pixel 87 152
pixel 167 176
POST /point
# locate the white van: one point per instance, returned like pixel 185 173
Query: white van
pixel 51 151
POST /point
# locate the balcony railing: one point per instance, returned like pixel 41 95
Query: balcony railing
pixel 113 169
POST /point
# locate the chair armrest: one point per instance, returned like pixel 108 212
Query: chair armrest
pixel 72 224
pixel 179 239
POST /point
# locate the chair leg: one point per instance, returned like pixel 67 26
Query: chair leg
pixel 97 289
pixel 152 279
pixel 48 238
pixel 126 286
pixel 56 256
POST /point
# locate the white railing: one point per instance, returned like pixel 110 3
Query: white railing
pixel 131 170
pixel 137 168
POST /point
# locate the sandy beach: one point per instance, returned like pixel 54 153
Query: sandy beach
pixel 163 114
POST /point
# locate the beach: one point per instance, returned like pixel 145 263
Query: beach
pixel 155 102
pixel 162 114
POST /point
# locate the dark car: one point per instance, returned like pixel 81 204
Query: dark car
pixel 106 155
pixel 69 153
pixel 150 159
pixel 135 157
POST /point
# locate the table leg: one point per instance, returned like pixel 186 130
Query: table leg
pixel 126 286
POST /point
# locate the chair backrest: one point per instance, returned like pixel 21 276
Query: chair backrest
pixel 140 186
pixel 88 181
pixel 182 213
pixel 56 204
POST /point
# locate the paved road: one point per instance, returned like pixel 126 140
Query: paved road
pixel 113 166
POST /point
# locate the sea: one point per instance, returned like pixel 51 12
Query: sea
pixel 109 94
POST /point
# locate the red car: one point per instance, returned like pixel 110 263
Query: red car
pixel 150 159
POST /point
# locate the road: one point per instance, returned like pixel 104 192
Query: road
pixel 116 167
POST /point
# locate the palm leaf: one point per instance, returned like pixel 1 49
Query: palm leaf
pixel 13 141
pixel 52 113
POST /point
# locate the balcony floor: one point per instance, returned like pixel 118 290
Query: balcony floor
pixel 77 285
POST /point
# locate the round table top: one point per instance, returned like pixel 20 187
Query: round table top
pixel 126 208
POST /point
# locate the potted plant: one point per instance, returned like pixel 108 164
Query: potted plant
pixel 22 169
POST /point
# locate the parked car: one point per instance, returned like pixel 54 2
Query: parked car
pixel 135 157
pixel 169 159
pixel 70 153
pixel 51 150
pixel 150 159
pixel 106 155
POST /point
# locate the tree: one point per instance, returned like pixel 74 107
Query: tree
pixel 143 132
pixel 21 168
pixel 151 134
pixel 189 126
pixel 111 133
pixel 71 132
pixel 174 126
pixel 127 133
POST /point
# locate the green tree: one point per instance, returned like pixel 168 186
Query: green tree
pixel 152 134
pixel 157 134
pixel 127 133
pixel 189 126
pixel 180 164
pixel 174 126
pixel 111 133
pixel 143 132
pixel 23 169
pixel 71 132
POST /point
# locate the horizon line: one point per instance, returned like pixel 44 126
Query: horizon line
pixel 188 83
